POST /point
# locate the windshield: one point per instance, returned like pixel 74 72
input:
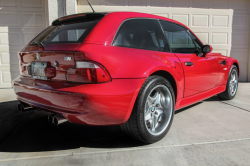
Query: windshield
pixel 66 33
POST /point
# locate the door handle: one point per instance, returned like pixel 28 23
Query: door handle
pixel 189 63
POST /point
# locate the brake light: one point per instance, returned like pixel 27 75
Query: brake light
pixel 87 72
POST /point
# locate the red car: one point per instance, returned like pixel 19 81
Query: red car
pixel 121 68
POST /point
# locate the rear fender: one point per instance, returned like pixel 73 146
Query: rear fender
pixel 176 74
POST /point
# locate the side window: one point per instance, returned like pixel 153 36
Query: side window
pixel 199 45
pixel 143 34
pixel 179 38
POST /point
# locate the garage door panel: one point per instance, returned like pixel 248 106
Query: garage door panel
pixel 20 21
pixel 15 39
pixel 211 30
pixel 5 77
pixel 163 15
pixel 19 10
pixel 93 2
pixel 223 52
pixel 199 20
pixel 29 3
pixel 4 38
pixel 204 37
pixel 11 21
pixel 219 38
pixel 183 18
pixel 220 21
pixel 8 3
pixel 28 37
pixel 4 48
pixel 32 20
pixel 14 69
pixel 4 58
pixel 14 58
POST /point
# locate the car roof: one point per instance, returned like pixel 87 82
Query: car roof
pixel 77 17
pixel 122 15
pixel 106 29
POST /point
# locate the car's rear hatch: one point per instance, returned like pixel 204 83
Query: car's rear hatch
pixel 51 53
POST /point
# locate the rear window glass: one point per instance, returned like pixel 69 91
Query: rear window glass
pixel 67 33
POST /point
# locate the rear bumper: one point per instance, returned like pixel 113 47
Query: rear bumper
pixel 93 104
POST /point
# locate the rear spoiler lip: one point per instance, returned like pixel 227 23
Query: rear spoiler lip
pixel 78 17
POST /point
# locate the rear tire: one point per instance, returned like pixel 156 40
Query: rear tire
pixel 232 85
pixel 153 111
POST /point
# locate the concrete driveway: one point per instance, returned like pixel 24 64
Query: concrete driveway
pixel 211 132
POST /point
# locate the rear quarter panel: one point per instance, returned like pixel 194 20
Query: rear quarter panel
pixel 133 63
pixel 128 62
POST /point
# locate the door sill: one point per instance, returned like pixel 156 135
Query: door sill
pixel 184 102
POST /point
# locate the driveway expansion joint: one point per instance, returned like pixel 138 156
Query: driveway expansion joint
pixel 235 106
pixel 124 150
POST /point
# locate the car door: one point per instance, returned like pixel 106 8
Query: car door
pixel 201 73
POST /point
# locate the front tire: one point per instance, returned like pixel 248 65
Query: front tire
pixel 153 111
pixel 232 85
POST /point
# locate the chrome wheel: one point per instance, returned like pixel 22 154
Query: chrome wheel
pixel 158 110
pixel 233 83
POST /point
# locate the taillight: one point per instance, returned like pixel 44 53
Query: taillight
pixel 87 72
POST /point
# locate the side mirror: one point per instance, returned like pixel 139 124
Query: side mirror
pixel 207 49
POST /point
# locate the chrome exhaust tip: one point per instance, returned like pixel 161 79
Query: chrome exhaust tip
pixel 20 108
pixel 58 120
pixel 24 108
pixel 51 119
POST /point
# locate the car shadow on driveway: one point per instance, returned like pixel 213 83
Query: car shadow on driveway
pixel 30 132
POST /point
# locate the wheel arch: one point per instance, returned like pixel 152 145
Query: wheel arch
pixel 169 77
pixel 163 73
pixel 237 65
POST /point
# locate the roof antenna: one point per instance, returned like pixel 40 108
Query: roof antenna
pixel 91 6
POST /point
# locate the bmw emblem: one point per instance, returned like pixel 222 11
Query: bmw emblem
pixel 38 56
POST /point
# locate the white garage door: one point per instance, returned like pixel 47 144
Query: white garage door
pixel 224 24
pixel 20 21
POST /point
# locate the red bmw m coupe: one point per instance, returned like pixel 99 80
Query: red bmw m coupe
pixel 120 68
